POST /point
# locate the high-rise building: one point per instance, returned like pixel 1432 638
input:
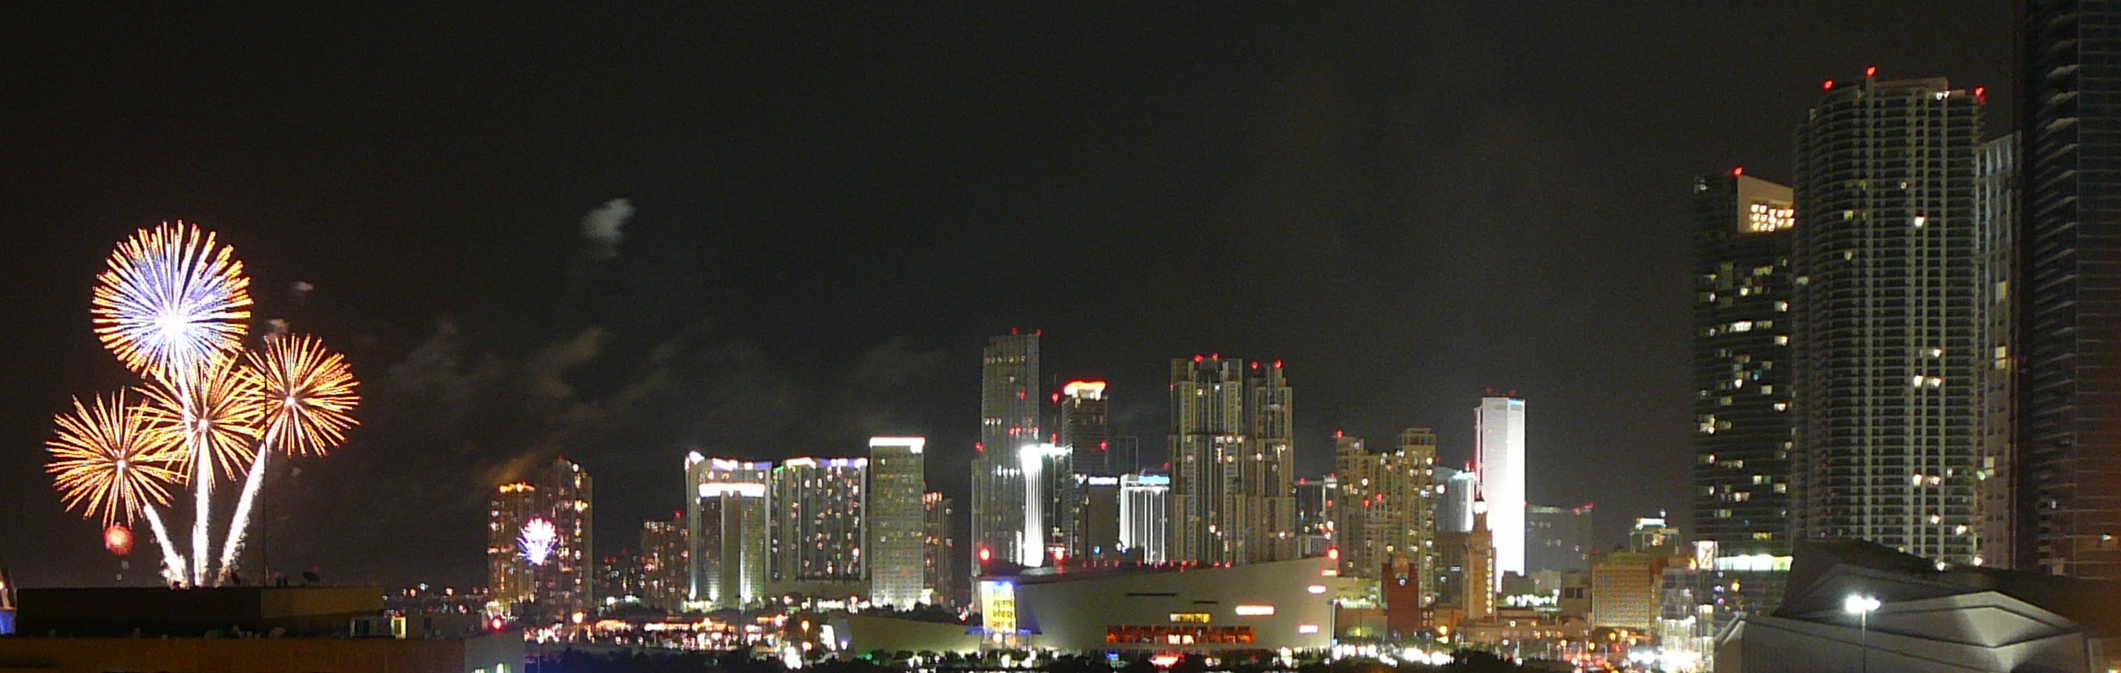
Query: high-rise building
pixel 1557 539
pixel 1314 520
pixel 1888 317
pixel 2068 467
pixel 1233 496
pixel 1097 518
pixel 1995 481
pixel 1456 490
pixel 1051 501
pixel 1499 428
pixel 1084 427
pixel 819 510
pixel 539 538
pixel 511 577
pixel 1009 413
pixel 621 579
pixel 897 521
pixel 728 530
pixel 565 496
pixel 938 585
pixel 1384 513
pixel 666 564
pixel 1144 510
pixel 1743 422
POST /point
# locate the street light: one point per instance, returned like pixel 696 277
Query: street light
pixel 1862 607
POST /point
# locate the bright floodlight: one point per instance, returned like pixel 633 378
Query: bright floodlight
pixel 1857 605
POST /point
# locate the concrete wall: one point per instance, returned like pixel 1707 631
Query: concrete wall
pixel 1073 614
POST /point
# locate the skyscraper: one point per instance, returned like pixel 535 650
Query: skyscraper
pixel 1233 494
pixel 1557 539
pixel 897 516
pixel 1084 428
pixel 1499 428
pixel 1097 518
pixel 1384 514
pixel 510 577
pixel 1743 422
pixel 819 510
pixel 938 585
pixel 1996 482
pixel 1456 490
pixel 1888 317
pixel 726 513
pixel 2068 468
pixel 565 496
pixel 1008 421
pixel 1144 514
pixel 539 537
pixel 666 564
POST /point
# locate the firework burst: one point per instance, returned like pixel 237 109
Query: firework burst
pixel 307 394
pixel 171 300
pixel 215 411
pixel 306 397
pixel 110 461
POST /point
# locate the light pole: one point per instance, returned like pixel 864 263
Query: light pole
pixel 1862 607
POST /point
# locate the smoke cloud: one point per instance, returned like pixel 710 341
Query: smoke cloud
pixel 601 228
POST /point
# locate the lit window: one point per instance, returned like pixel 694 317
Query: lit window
pixel 1255 610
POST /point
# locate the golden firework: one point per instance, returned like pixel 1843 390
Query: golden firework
pixel 306 392
pixel 110 460
pixel 171 300
pixel 215 411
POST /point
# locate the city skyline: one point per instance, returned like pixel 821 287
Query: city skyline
pixel 601 252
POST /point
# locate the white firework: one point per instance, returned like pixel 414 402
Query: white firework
pixel 537 541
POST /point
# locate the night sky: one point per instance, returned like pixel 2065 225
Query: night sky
pixel 827 208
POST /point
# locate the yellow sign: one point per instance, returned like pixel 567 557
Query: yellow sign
pixel 997 602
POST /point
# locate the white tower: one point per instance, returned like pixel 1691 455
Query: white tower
pixel 1499 428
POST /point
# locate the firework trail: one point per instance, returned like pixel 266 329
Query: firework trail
pixel 114 461
pixel 216 412
pixel 170 303
pixel 306 396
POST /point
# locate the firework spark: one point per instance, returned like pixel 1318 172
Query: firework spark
pixel 111 461
pixel 171 300
pixel 215 411
pixel 307 393
pixel 538 540
pixel 306 396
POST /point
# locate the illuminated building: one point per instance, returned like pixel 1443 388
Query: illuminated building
pixel 727 529
pixel 1996 481
pixel 897 520
pixel 938 585
pixel 1084 428
pixel 1625 589
pixel 2069 296
pixel 1051 501
pixel 665 565
pixel 510 578
pixel 1384 513
pixel 1499 430
pixel 1097 518
pixel 1888 312
pixel 1233 496
pixel 1478 588
pixel 1314 521
pixel 1456 490
pixel 1743 419
pixel 568 584
pixel 1086 434
pixel 1009 420
pixel 1654 534
pixel 621 580
pixel 1557 539
pixel 1258 607
pixel 1144 507
pixel 819 508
